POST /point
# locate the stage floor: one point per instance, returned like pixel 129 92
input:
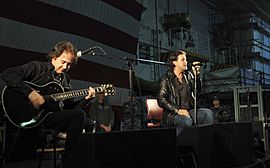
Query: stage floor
pixel 217 145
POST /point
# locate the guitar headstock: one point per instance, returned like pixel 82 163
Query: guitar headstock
pixel 108 89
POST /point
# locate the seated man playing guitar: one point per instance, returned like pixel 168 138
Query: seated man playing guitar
pixel 26 105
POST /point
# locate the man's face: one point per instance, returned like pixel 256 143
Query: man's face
pixel 63 62
pixel 101 96
pixel 216 102
pixel 181 62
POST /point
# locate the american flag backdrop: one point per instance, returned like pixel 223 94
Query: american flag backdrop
pixel 30 28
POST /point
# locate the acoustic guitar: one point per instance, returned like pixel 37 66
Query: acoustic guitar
pixel 21 113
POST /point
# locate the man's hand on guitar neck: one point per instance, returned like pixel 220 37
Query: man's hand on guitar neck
pixel 91 93
pixel 36 99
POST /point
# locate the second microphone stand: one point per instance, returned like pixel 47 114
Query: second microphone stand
pixel 130 72
pixel 195 97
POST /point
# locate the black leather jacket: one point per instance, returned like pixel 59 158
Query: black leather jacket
pixel 169 98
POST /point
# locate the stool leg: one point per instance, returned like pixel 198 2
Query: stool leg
pixel 54 154
pixel 194 160
pixel 182 159
pixel 8 154
pixel 3 152
pixel 41 156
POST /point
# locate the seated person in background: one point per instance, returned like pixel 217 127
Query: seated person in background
pixel 202 109
pixel 101 114
pixel 176 92
pixel 138 114
pixel 221 113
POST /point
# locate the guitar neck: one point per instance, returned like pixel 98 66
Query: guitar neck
pixel 72 94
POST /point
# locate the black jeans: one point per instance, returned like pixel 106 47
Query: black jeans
pixel 70 121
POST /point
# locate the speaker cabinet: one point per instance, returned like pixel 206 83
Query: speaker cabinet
pixel 219 145
pixel 232 144
pixel 200 139
pixel 134 149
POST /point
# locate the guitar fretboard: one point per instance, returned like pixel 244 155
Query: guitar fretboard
pixel 70 94
pixel 78 93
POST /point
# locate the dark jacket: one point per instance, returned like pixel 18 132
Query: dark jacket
pixel 35 72
pixel 169 97
pixel 104 116
pixel 39 73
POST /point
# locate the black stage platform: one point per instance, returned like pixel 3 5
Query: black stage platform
pixel 217 145
pixel 214 146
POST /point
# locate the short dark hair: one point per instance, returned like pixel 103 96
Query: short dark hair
pixel 62 46
pixel 215 98
pixel 173 56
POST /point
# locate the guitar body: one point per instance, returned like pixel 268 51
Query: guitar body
pixel 20 111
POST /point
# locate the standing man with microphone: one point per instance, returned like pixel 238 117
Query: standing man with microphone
pixel 176 93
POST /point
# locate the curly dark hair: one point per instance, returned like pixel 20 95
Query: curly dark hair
pixel 62 46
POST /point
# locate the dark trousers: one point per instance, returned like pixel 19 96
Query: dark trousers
pixel 70 121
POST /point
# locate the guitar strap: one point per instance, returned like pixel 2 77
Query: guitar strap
pixel 66 82
pixel 62 80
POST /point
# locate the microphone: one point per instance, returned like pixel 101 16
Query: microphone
pixel 198 64
pixel 87 51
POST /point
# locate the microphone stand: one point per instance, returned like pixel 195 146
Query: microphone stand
pixel 130 72
pixel 130 77
pixel 195 97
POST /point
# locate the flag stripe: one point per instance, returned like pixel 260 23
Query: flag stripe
pixel 131 7
pixel 32 12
